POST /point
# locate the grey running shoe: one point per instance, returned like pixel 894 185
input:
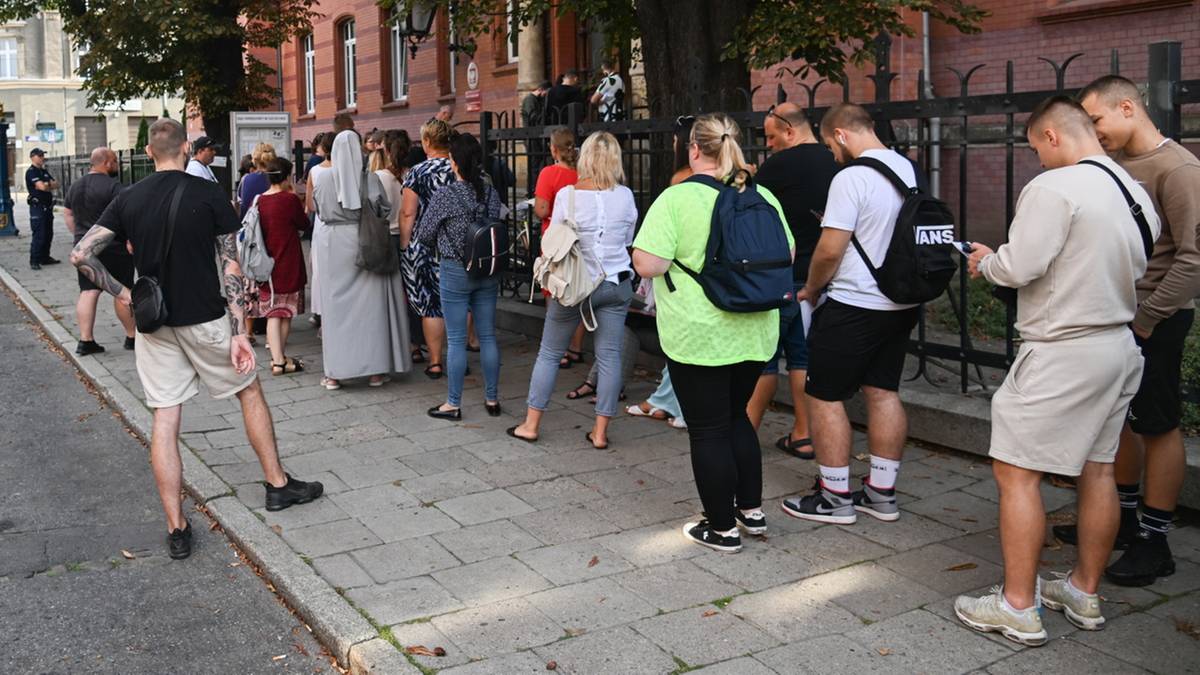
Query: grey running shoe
pixel 991 614
pixel 1081 609
pixel 822 506
pixel 878 503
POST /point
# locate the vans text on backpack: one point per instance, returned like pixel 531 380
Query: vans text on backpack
pixel 921 257
pixel 748 261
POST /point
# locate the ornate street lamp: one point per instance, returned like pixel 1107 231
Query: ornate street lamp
pixel 416 24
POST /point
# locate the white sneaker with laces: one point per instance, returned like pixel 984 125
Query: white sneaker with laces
pixel 1081 609
pixel 992 614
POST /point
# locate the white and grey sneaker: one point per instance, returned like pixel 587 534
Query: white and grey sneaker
pixel 1081 609
pixel 822 506
pixel 754 522
pixel 992 614
pixel 880 504
pixel 701 532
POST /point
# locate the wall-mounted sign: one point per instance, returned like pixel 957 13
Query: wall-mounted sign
pixel 472 76
pixel 474 99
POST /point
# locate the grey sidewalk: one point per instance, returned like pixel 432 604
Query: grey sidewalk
pixel 509 555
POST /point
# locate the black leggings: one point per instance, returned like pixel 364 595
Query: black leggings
pixel 726 459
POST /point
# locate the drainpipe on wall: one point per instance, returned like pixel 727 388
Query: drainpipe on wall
pixel 935 124
pixel 279 73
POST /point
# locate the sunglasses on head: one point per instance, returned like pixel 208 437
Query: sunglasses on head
pixel 684 121
pixel 771 113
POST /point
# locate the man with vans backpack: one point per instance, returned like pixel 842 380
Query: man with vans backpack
pixel 859 335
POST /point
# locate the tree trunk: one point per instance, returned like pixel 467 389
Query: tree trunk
pixel 684 70
pixel 225 69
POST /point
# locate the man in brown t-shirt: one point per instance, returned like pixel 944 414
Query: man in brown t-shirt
pixel 1164 316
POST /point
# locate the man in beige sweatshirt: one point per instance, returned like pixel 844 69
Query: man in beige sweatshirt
pixel 1164 317
pixel 1075 253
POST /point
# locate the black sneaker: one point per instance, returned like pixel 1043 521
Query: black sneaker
pixel 86 347
pixel 179 542
pixel 1069 534
pixel 1147 559
pixel 129 343
pixel 51 261
pixel 35 266
pixel 754 523
pixel 701 533
pixel 295 492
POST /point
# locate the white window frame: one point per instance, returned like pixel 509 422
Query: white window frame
pixel 77 52
pixel 308 43
pixel 399 61
pixel 9 50
pixel 513 33
pixel 453 38
pixel 349 64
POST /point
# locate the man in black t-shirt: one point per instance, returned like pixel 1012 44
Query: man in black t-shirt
pixel 40 184
pixel 798 173
pixel 200 341
pixel 561 97
pixel 86 199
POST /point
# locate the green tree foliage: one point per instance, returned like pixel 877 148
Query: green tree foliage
pixel 142 48
pixel 693 48
pixel 143 138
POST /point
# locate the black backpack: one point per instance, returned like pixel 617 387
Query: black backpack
pixel 921 257
pixel 486 249
pixel 748 263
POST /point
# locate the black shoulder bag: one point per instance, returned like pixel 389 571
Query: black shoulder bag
pixel 1134 208
pixel 149 304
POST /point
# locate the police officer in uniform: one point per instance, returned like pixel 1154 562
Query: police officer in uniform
pixel 39 183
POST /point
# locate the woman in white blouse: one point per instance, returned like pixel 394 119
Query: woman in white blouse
pixel 606 215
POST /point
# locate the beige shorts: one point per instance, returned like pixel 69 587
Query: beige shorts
pixel 1063 403
pixel 171 362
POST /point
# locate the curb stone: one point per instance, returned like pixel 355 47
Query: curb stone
pixel 335 623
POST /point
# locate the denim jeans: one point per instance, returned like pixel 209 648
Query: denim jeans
pixel 461 293
pixel 610 302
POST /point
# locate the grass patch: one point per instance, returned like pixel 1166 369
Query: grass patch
pixel 423 619
pixel 386 634
pixel 1190 372
pixel 722 603
pixel 307 560
pixel 681 666
pixel 76 567
pixel 987 317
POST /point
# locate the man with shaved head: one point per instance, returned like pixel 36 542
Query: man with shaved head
pixel 85 201
pixel 1076 250
pixel 798 173
pixel 1164 316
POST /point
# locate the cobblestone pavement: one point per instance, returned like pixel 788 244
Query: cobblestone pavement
pixel 510 555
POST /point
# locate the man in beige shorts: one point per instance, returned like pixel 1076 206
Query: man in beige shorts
pixel 173 221
pixel 1076 250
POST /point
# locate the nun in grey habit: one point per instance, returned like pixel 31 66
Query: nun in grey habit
pixel 364 318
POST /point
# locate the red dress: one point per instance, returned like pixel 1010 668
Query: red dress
pixel 282 218
pixel 552 179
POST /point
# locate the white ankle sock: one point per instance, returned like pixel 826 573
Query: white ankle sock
pixel 727 533
pixel 835 478
pixel 884 472
pixel 750 513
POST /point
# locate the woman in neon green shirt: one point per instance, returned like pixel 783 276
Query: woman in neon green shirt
pixel 715 357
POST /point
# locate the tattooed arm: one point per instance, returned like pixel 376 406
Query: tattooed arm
pixel 86 256
pixel 240 351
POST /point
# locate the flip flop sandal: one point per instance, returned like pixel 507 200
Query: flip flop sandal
pixel 588 436
pixel 378 382
pixel 330 383
pixel 792 448
pixel 569 359
pixel 585 389
pixel 418 355
pixel 676 423
pixel 435 374
pixel 636 411
pixel 512 431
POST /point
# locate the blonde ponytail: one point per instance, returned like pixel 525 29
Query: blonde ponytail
pixel 717 136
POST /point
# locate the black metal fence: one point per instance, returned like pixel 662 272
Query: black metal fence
pixel 131 167
pixel 970 125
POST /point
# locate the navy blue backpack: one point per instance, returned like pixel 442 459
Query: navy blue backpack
pixel 748 264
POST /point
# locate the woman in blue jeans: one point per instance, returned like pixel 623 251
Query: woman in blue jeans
pixel 444 225
pixel 605 214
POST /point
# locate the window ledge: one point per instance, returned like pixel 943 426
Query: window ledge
pixel 506 68
pixel 353 110
pixel 1064 12
pixel 307 116
pixel 396 105
pixel 447 98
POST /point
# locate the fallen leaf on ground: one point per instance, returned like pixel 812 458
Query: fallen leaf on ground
pixel 300 648
pixel 968 519
pixel 214 526
pixel 950 508
pixel 862 457
pixel 279 658
pixel 711 612
pixel 575 632
pixel 594 561
pixel 961 567
pixel 552 665
pixel 438 651
pixel 236 563
pixel 397 482
pixel 883 651
pixel 127 555
pixel 420 650
pixel 1187 628
pixel 277 529
pixel 641 482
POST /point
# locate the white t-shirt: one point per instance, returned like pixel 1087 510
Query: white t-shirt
pixel 608 89
pixel 394 192
pixel 606 220
pixel 862 201
pixel 198 169
pixel 312 175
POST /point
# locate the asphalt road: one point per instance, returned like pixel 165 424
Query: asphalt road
pixel 75 493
